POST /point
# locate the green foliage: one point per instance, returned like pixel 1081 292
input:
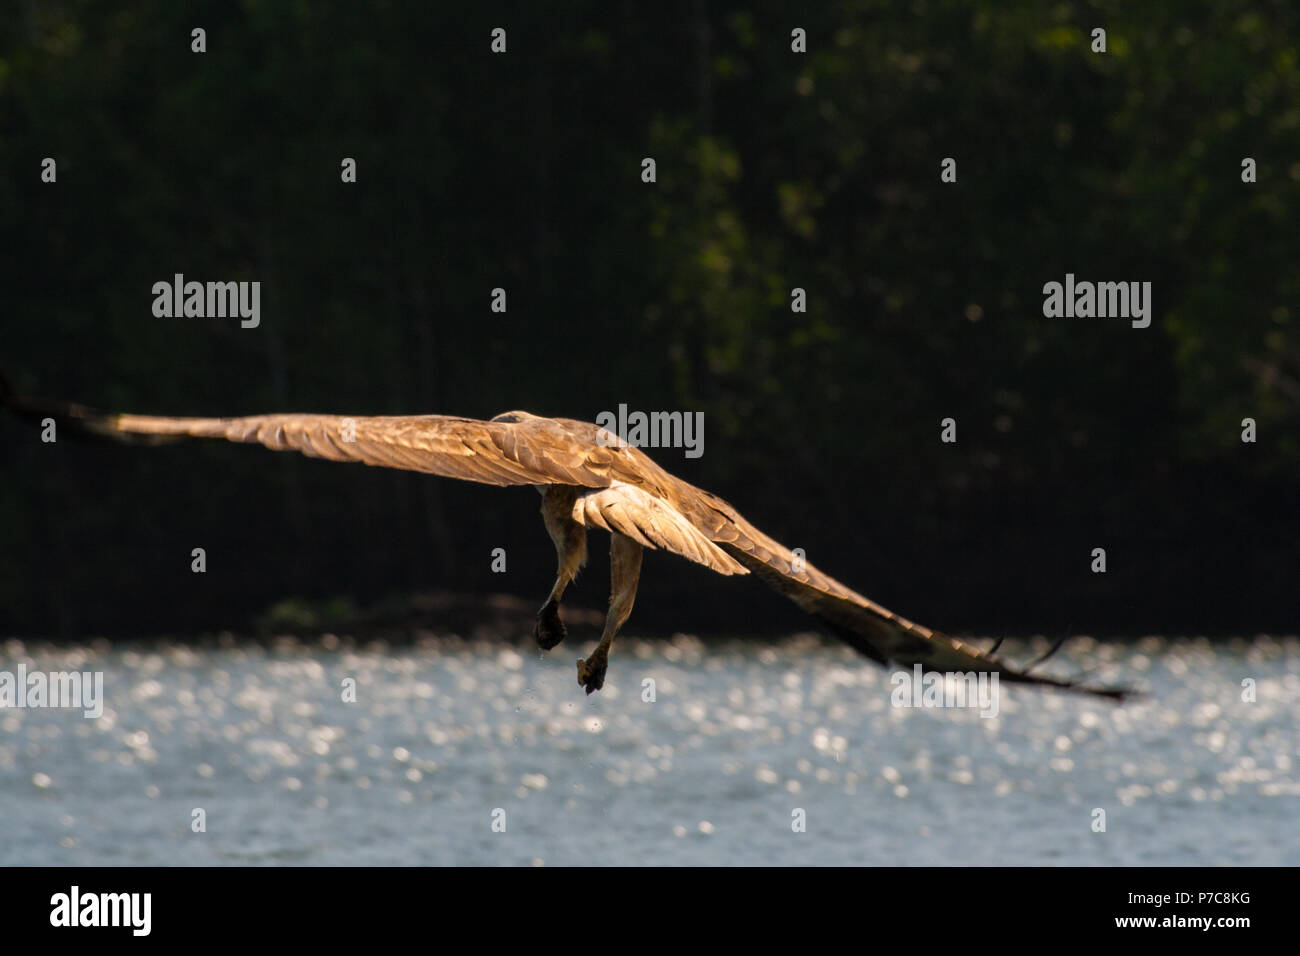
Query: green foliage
pixel 776 170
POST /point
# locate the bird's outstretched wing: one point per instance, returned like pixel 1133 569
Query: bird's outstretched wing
pixel 521 451
pixel 869 628
pixel 530 452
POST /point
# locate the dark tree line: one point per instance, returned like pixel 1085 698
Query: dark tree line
pixel 776 170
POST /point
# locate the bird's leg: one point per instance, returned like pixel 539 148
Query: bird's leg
pixel 571 552
pixel 624 573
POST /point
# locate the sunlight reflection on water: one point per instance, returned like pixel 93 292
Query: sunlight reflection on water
pixel 445 733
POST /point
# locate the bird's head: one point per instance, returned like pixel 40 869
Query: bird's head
pixel 513 418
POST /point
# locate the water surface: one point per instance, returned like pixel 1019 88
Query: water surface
pixel 447 736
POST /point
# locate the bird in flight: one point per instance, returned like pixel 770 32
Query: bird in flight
pixel 588 477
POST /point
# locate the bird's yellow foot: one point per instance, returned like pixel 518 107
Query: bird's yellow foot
pixel 549 629
pixel 591 672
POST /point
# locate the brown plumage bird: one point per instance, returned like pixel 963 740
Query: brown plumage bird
pixel 588 477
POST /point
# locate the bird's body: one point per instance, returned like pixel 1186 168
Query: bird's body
pixel 588 478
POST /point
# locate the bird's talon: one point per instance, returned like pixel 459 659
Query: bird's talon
pixel 549 629
pixel 591 673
